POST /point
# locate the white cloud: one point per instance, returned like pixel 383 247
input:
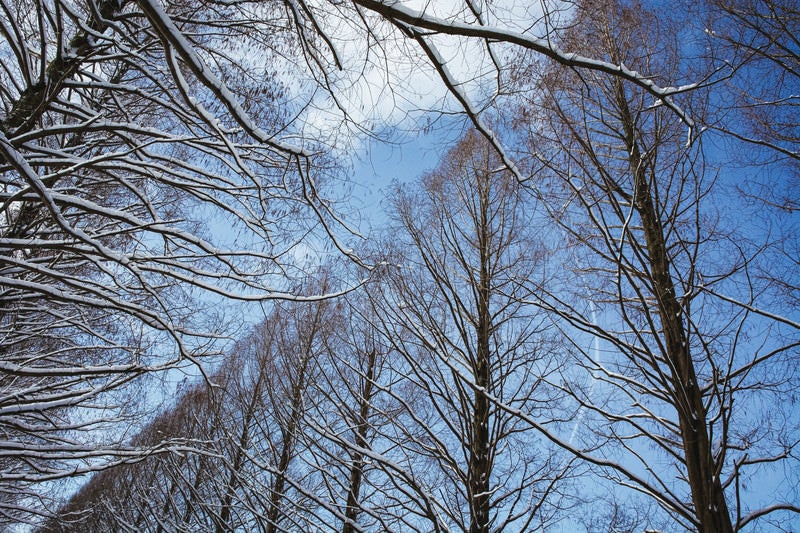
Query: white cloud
pixel 385 80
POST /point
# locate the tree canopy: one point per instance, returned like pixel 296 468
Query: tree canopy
pixel 592 296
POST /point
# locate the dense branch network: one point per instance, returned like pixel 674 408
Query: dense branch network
pixel 570 308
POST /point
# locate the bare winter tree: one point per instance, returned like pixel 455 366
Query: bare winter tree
pixel 157 160
pixel 126 160
pixel 471 354
pixel 697 353
pixel 756 45
pixel 247 426
pixel 351 409
pixel 162 492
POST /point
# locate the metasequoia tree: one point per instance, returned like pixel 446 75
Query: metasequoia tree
pixel 156 493
pixel 122 155
pixel 247 425
pixel 348 413
pixel 471 353
pixel 150 154
pixel 299 342
pixel 357 376
pixel 201 490
pixel 697 351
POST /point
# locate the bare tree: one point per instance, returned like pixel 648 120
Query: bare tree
pixel 125 161
pixel 161 492
pixel 153 162
pixel 755 44
pixel 346 416
pixel 470 351
pixel 671 283
pixel 246 425
pixel 755 111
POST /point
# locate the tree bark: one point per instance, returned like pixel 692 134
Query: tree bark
pixel 708 496
pixel 33 101
pixel 357 468
pixel 480 464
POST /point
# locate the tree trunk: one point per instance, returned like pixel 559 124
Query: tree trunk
pixel 708 497
pixel 240 456
pixel 33 101
pixel 480 464
pixel 357 468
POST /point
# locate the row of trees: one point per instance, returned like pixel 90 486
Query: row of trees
pixel 151 173
pixel 397 408
pixel 568 308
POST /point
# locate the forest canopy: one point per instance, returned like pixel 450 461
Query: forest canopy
pixel 583 317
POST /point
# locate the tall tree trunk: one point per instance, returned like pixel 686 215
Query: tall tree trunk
pixel 357 468
pixel 239 456
pixel 704 481
pixel 480 464
pixel 279 483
